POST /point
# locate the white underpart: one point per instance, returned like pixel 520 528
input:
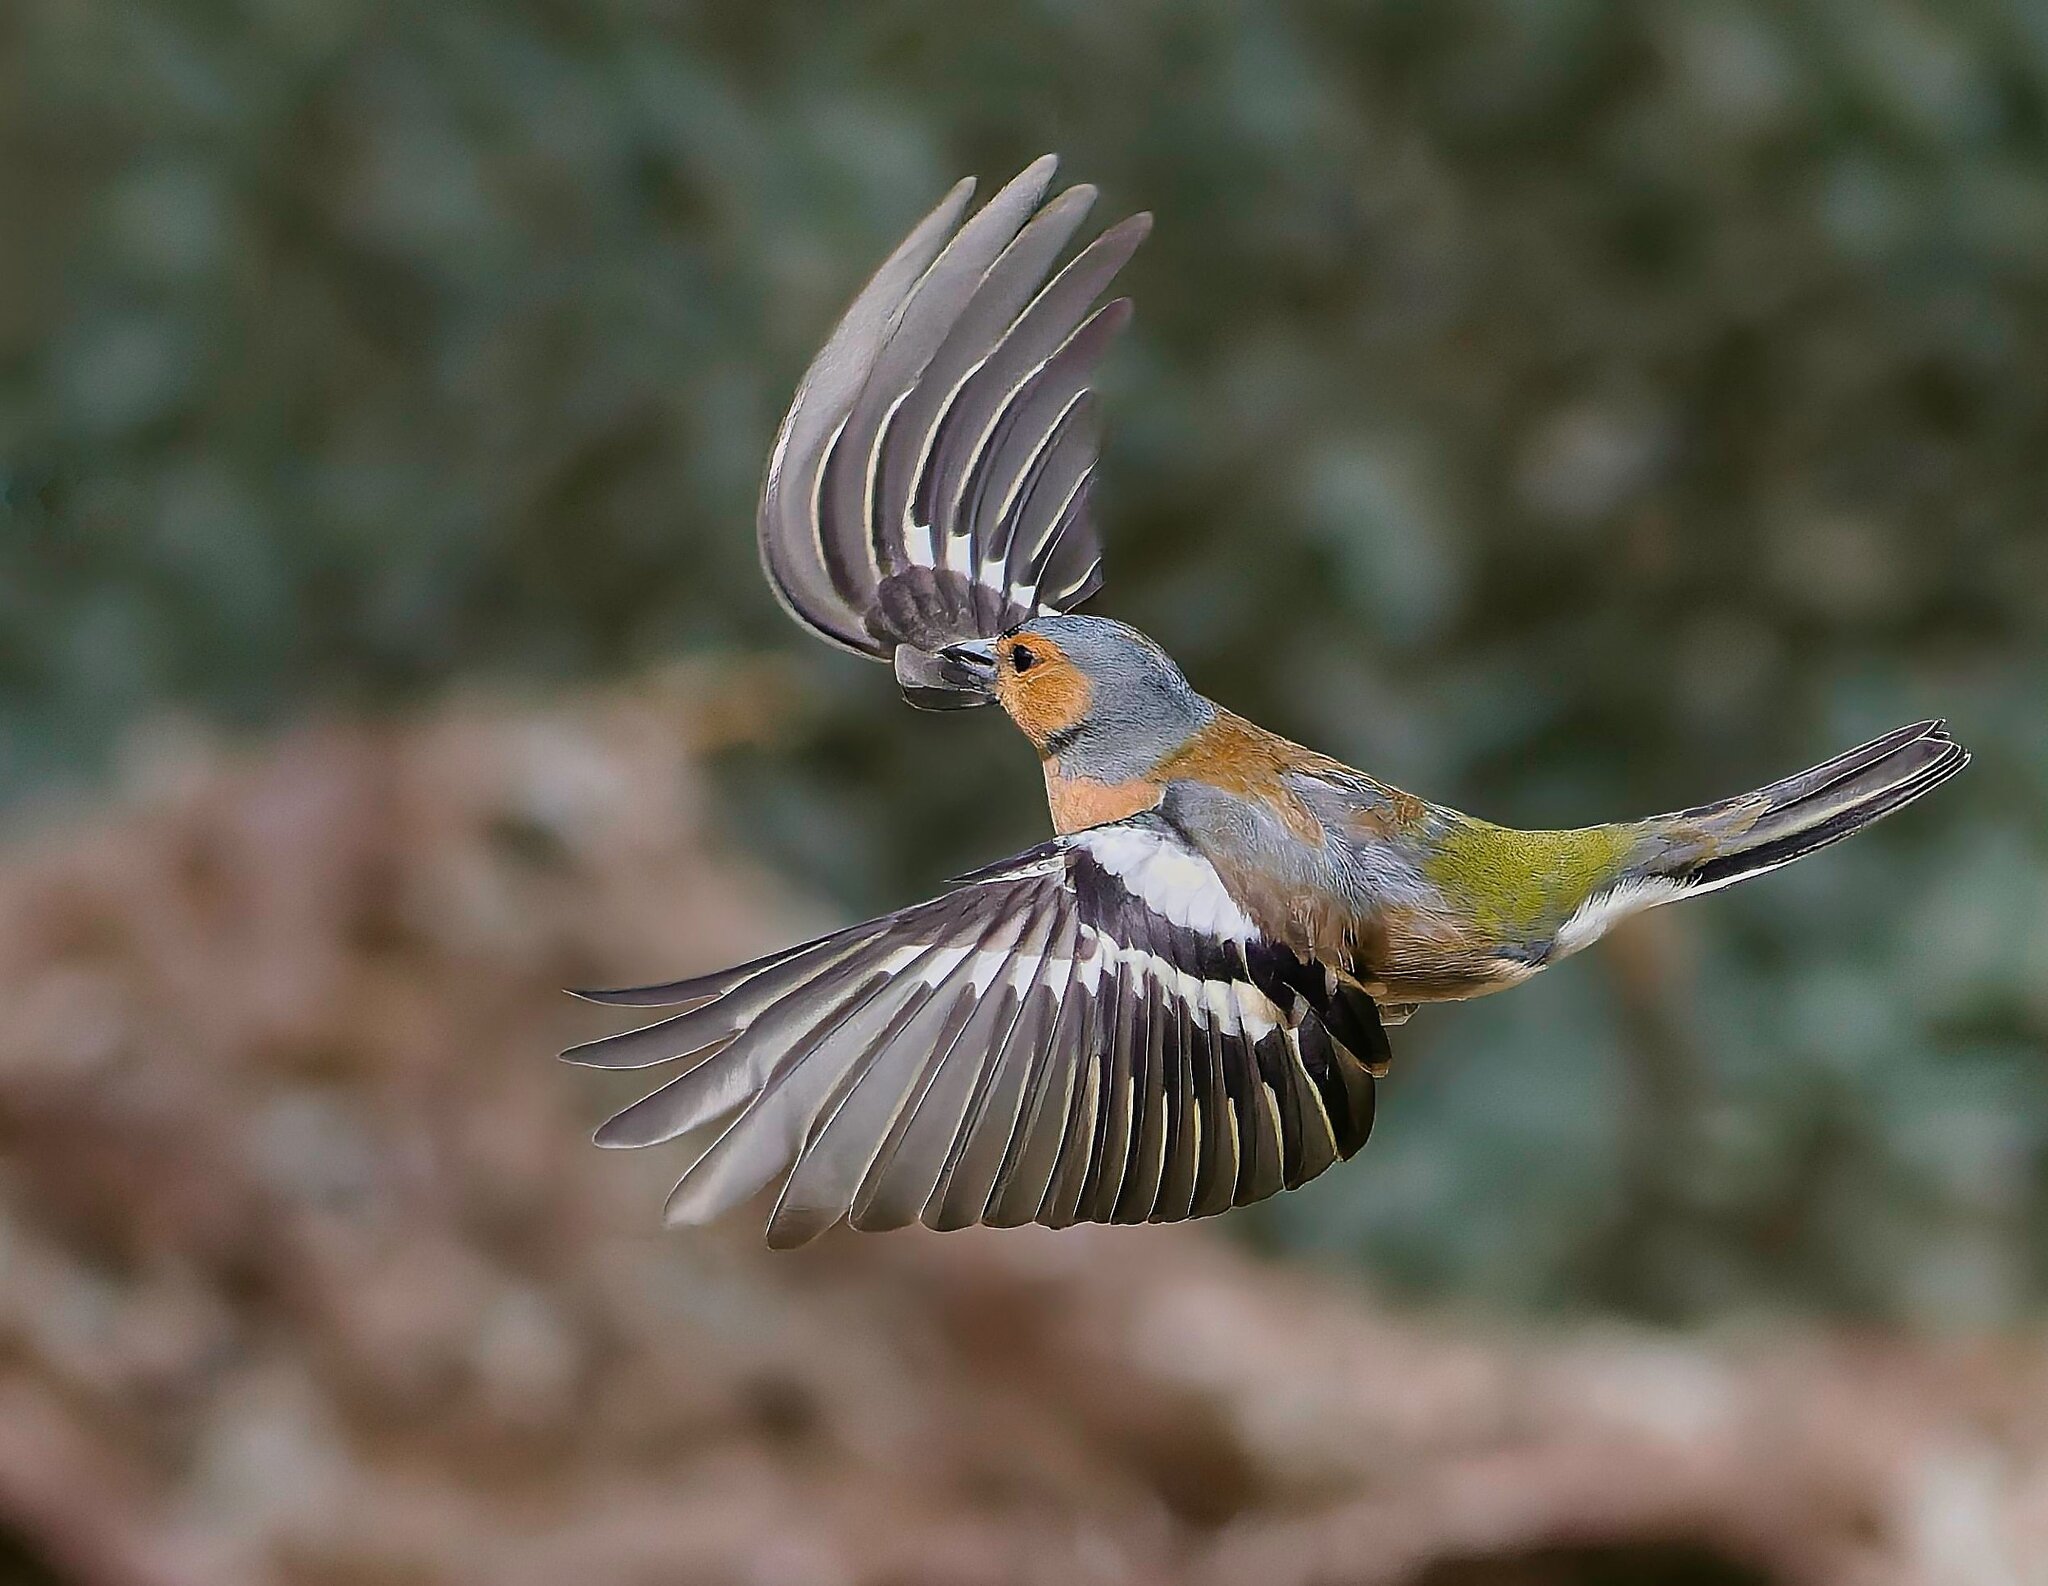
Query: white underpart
pixel 1178 886
pixel 1601 912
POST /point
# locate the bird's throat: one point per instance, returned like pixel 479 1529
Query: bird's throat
pixel 1079 802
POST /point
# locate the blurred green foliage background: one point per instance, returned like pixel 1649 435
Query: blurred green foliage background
pixel 1564 408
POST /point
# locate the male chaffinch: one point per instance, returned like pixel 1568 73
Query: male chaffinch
pixel 1178 1004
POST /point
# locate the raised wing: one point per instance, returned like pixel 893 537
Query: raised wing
pixel 930 481
pixel 1091 1032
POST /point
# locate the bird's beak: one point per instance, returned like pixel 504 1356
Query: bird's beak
pixel 956 678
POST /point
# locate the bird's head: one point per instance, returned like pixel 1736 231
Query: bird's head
pixel 1096 695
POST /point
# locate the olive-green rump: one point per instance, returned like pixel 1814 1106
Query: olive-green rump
pixel 1522 885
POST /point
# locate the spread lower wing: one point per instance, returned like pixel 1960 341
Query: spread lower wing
pixel 1090 1032
pixel 930 482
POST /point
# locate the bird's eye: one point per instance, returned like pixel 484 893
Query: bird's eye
pixel 1022 657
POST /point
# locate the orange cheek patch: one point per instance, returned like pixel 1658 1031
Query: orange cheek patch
pixel 1046 700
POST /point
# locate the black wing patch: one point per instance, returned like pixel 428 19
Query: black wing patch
pixel 1091 1032
pixel 930 481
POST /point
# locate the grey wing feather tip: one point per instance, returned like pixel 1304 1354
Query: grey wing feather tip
pixel 792 556
pixel 630 996
pixel 868 570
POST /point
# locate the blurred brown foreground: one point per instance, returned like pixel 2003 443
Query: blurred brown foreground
pixel 308 1272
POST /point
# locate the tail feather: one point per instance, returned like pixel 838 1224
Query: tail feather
pixel 1789 818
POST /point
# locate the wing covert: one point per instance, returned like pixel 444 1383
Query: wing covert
pixel 1093 1031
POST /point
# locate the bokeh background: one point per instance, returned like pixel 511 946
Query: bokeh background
pixel 1565 409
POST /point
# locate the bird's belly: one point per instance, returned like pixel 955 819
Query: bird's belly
pixel 1449 984
pixel 1424 955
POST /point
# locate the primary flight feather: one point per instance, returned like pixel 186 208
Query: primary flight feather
pixel 1179 1004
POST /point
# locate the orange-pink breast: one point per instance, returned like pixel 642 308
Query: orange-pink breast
pixel 1078 802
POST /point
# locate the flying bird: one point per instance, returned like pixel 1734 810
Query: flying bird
pixel 1179 1004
